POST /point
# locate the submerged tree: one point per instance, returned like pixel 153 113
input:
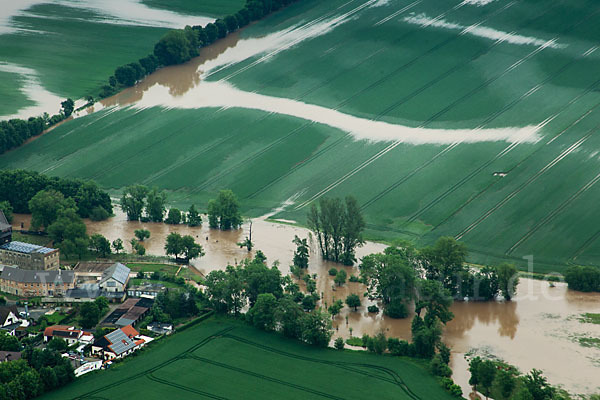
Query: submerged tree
pixel 224 211
pixel 338 228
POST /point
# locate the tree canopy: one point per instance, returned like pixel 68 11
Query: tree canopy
pixel 224 211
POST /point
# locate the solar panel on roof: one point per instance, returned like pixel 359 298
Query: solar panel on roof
pixel 26 248
pixel 120 342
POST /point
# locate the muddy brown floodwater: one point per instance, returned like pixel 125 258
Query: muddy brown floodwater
pixel 538 329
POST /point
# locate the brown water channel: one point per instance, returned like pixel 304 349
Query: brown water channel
pixel 539 329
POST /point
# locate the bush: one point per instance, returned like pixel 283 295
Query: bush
pixel 339 343
pixel 99 214
pixel 438 367
pixel 354 278
pixel 333 272
pixel 355 341
pixel 583 278
pixel 398 347
pixel 373 309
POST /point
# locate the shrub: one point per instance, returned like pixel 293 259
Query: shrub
pixel 373 309
pixel 354 278
pixel 339 343
pixel 333 272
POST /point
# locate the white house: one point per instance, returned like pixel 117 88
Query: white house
pixel 114 279
pixel 10 320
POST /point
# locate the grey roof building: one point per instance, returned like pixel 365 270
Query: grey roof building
pixel 25 282
pixel 117 273
pixel 29 256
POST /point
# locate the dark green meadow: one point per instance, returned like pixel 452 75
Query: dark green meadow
pixel 225 359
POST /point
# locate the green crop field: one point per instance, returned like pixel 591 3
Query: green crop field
pixel 73 48
pixel 435 66
pixel 224 359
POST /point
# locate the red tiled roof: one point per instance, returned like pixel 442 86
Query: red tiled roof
pixel 130 331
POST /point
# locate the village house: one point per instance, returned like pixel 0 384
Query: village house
pixel 29 256
pixel 29 283
pixel 119 343
pixel 69 334
pixel 114 279
pixel 10 320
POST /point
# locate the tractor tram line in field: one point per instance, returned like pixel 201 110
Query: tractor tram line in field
pixel 431 119
pixel 528 93
pixel 385 374
pixel 413 217
pixel 532 154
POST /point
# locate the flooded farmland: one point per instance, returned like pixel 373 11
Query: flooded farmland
pixel 541 322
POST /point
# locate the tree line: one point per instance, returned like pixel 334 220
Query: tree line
pixel 502 381
pixel 583 278
pixel 37 372
pixel 175 47
pixel 400 275
pixel 141 203
pixel 18 187
pixel 180 45
pixel 14 132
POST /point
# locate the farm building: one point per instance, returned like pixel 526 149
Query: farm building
pixel 149 290
pixel 29 256
pixel 25 282
pixel 129 313
pixel 114 279
pixel 117 344
pixel 91 270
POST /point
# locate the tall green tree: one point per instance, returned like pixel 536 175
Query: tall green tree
pixel 301 254
pixel 156 202
pixel 194 218
pixel 100 244
pixel 353 301
pixel 338 226
pixel 45 207
pixel 317 328
pixel 391 279
pixel 445 261
pixel 508 279
pixel 262 313
pixel 223 212
pixel 117 244
pixel 133 201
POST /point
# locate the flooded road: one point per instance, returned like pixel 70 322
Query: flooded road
pixel 539 329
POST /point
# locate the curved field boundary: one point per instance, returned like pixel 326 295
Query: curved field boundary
pixel 395 378
pixel 156 379
pixel 93 393
pixel 265 377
